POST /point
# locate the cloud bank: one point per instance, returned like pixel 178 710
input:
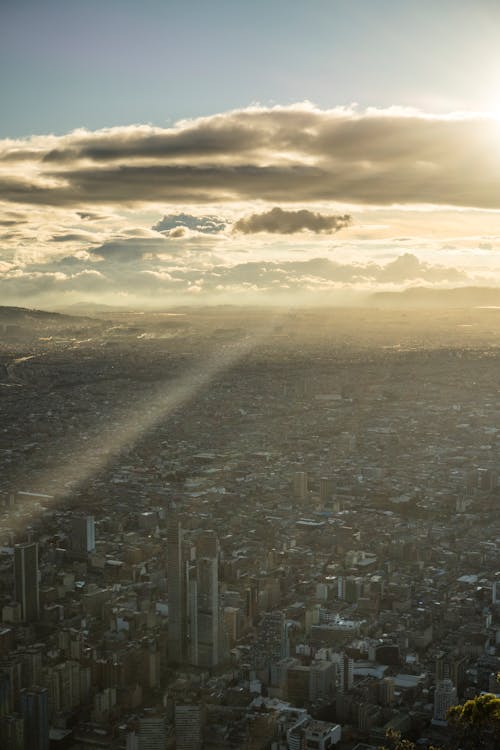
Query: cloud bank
pixel 136 277
pixel 242 206
pixel 297 153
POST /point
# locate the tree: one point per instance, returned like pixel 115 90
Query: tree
pixel 476 723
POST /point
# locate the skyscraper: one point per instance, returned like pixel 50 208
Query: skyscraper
pixel 26 581
pixel 35 711
pixel 83 534
pixel 177 592
pixel 195 625
pixel 207 612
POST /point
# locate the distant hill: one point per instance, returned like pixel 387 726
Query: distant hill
pixel 21 321
pixel 90 308
pixel 423 297
pixel 20 314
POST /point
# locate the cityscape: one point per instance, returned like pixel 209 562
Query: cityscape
pixel 303 551
pixel 249 375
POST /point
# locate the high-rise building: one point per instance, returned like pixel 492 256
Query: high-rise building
pixel 177 592
pixel 452 667
pixel 188 727
pixel 495 592
pixel 300 484
pixel 386 691
pixel 207 611
pixel 35 711
pixel 445 697
pixel 26 581
pixel 322 680
pixel 326 489
pixel 207 545
pixel 152 732
pixel 195 621
pixel 205 621
pixel 297 685
pixel 63 683
pixel 83 534
pixel 12 732
pixel 272 642
pixel 346 672
pixel 5 694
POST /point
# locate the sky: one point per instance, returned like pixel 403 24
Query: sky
pixel 161 153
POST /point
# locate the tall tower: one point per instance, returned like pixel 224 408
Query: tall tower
pixel 26 580
pixel 83 534
pixel 35 711
pixel 177 594
pixel 204 620
pixel 207 611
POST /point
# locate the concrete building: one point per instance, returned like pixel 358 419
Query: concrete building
pixel 207 612
pixel 83 534
pixel 152 732
pixel 445 697
pixel 310 734
pixel 177 600
pixel 26 581
pixel 35 712
pixel 188 727
pixel 300 484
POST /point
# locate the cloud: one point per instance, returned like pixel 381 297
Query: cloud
pixel 150 279
pixel 408 267
pixel 82 237
pixel 32 285
pixel 278 221
pixel 90 215
pixel 128 249
pixel 174 224
pixel 294 154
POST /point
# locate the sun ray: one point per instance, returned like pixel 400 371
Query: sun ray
pixel 126 428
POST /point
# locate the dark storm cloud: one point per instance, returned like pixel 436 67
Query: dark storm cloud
pixel 203 224
pixel 278 221
pixel 281 154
